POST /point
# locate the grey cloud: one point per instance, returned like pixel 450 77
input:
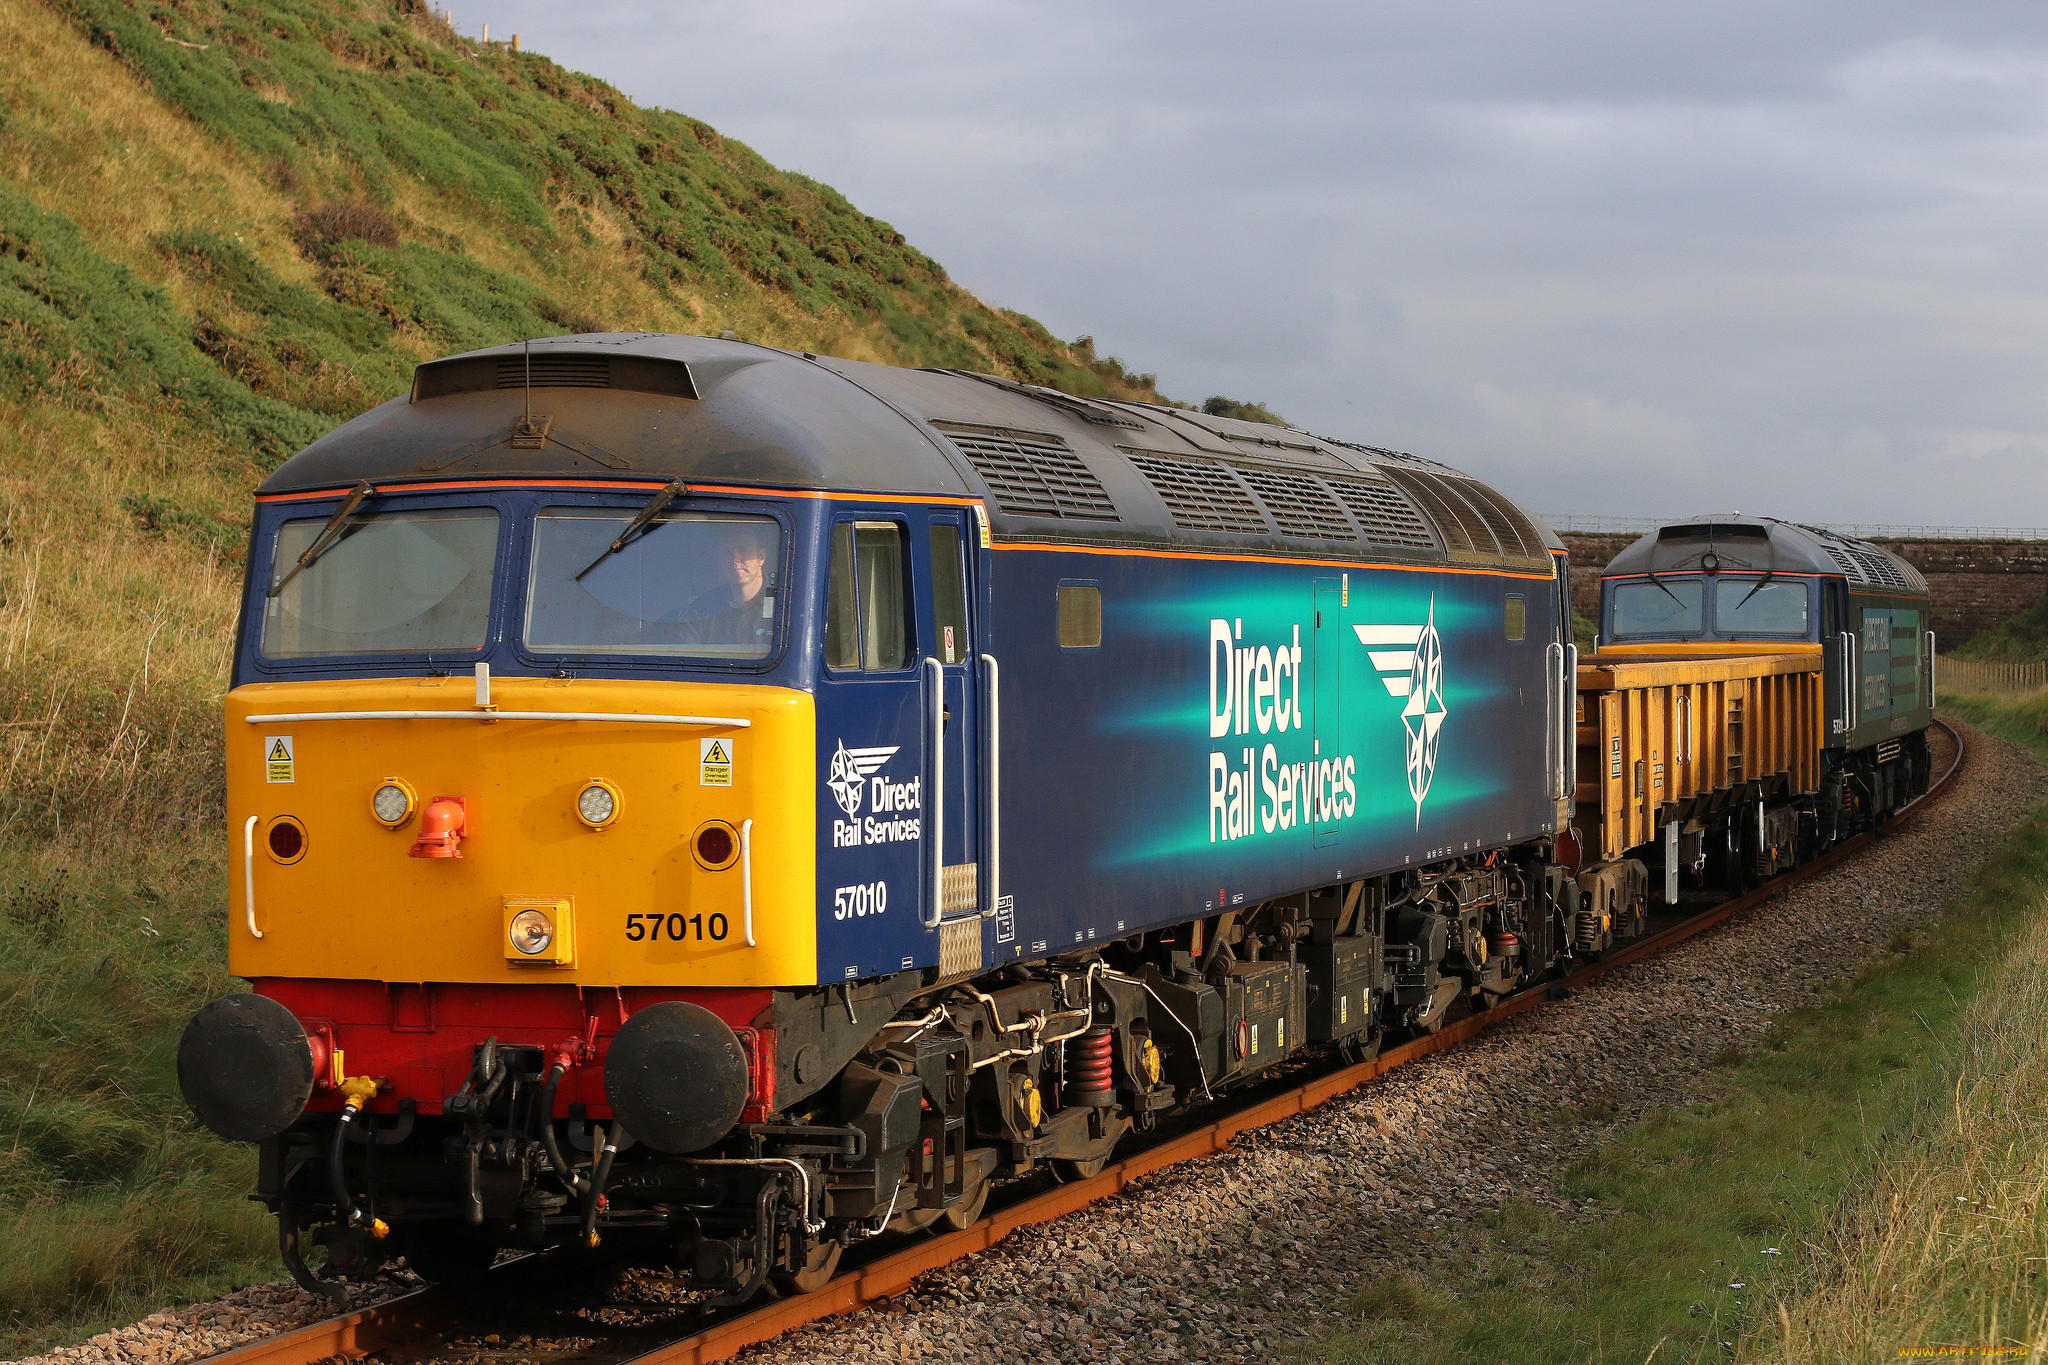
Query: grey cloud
pixel 1622 257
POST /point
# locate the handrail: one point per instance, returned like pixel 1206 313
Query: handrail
pixel 993 760
pixel 747 878
pixel 1554 693
pixel 1848 685
pixel 935 720
pixel 1930 670
pixel 736 722
pixel 249 873
pixel 1571 723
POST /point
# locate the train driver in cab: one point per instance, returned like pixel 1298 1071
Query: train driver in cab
pixel 739 613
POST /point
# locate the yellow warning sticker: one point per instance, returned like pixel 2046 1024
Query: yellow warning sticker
pixel 981 520
pixel 277 758
pixel 714 763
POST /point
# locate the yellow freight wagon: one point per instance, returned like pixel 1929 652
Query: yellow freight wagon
pixel 1673 748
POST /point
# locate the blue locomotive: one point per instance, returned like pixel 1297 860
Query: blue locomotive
pixel 748 801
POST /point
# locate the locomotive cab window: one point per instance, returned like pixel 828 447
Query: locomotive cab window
pixel 949 595
pixel 1669 606
pixel 393 582
pixel 694 583
pixel 1516 617
pixel 1080 616
pixel 867 623
pixel 1756 606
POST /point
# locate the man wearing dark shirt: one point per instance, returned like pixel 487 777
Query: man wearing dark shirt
pixel 738 615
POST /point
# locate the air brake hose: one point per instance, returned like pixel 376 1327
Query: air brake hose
pixel 356 1092
pixel 548 1142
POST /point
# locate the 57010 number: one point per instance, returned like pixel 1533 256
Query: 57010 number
pixel 675 928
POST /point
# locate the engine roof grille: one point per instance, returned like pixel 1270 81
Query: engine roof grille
pixel 1518 536
pixel 1878 568
pixel 556 372
pixel 1035 476
pixel 1464 532
pixel 1298 504
pixel 1383 514
pixel 552 368
pixel 1202 497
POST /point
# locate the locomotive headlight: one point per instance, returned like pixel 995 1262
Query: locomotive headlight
pixel 532 932
pixel 392 803
pixel 597 805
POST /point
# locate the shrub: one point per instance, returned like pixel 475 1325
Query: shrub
pixel 321 227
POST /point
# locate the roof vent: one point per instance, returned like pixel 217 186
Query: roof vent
pixel 1034 475
pixel 1299 505
pixel 1383 514
pixel 550 368
pixel 1878 568
pixel 1464 532
pixel 1202 497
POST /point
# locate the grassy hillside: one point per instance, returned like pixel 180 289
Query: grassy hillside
pixel 223 229
pixel 2021 640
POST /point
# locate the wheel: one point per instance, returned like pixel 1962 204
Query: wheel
pixel 818 1268
pixel 1069 1170
pixel 967 1212
pixel 454 1255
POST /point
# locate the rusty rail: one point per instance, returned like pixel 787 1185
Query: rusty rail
pixel 397 1321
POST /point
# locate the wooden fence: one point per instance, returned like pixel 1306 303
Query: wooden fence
pixel 1967 675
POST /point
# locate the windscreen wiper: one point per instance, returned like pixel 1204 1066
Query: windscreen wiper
pixel 1651 575
pixel 1755 590
pixel 329 534
pixel 648 513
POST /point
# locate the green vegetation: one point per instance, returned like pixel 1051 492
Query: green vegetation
pixel 1219 406
pixel 1817 1183
pixel 114 1202
pixel 2021 719
pixel 2023 639
pixel 224 228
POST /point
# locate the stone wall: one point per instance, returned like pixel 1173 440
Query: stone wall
pixel 1976 583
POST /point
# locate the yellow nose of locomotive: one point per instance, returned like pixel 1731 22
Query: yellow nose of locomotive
pixel 591 831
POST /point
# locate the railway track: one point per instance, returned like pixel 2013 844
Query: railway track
pixel 441 1325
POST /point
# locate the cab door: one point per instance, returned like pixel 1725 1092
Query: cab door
pixel 952 675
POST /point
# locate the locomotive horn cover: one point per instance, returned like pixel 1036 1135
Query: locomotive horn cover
pixel 245 1067
pixel 676 1076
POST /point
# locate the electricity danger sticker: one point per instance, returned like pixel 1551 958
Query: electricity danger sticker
pixel 714 763
pixel 277 758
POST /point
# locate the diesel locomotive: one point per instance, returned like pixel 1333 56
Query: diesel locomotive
pixel 733 803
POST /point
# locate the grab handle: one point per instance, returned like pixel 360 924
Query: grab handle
pixel 249 874
pixel 935 842
pixel 747 879
pixel 994 762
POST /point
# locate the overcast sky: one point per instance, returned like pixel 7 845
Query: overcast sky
pixel 1618 257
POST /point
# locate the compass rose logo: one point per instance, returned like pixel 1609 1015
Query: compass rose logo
pixel 1414 669
pixel 850 769
pixel 1423 716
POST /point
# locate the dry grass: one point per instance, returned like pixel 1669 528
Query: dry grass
pixel 1949 1246
pixel 114 639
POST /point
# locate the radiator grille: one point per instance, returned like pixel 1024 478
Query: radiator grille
pixel 1383 514
pixel 1298 504
pixel 556 372
pixel 1518 536
pixel 1463 531
pixel 1879 569
pixel 1035 477
pixel 1202 497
